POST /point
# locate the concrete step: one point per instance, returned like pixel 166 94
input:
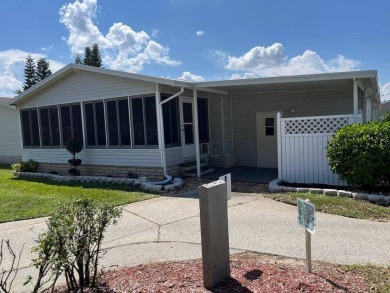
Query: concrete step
pixel 203 171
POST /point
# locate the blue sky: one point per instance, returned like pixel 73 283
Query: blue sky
pixel 199 40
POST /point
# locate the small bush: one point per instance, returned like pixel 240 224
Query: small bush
pixel 74 146
pixel 385 117
pixel 25 166
pixel 360 154
pixel 72 244
pixel 75 162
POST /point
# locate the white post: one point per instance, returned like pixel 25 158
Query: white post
pixel 279 141
pixel 355 101
pixel 308 251
pixel 83 125
pixel 160 130
pixel 196 133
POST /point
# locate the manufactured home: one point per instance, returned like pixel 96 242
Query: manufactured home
pixel 10 139
pixel 150 125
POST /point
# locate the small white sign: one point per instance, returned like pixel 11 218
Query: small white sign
pixel 306 215
pixel 228 179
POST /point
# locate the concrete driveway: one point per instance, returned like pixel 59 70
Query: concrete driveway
pixel 168 228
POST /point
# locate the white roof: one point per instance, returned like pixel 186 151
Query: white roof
pixel 221 85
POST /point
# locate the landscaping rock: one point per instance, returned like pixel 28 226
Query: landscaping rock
pixel 302 190
pixel 343 193
pixel 288 189
pixel 169 187
pixel 316 190
pixel 330 192
pixel 375 197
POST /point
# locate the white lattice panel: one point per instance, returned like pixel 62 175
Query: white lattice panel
pixel 315 125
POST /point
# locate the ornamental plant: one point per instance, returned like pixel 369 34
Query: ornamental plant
pixel 72 245
pixel 74 146
pixel 360 154
pixel 25 166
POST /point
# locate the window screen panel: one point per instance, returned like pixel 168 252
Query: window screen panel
pixel 151 121
pixel 45 126
pixel 124 123
pixel 54 126
pixel 112 123
pixel 90 124
pixel 26 128
pixel 35 127
pixel 100 124
pixel 138 121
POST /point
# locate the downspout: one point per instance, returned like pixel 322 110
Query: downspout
pixel 164 159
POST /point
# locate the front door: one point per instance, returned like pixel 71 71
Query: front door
pixel 187 127
pixel 267 146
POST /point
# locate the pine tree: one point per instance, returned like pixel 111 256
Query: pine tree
pixel 78 60
pixel 30 76
pixel 87 56
pixel 43 69
pixel 96 59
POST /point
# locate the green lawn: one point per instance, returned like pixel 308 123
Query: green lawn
pixel 342 206
pixel 25 198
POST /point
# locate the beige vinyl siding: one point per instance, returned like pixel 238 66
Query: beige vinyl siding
pixel 117 157
pixel 228 125
pixel 310 103
pixel 215 123
pixel 85 86
pixel 174 156
pixel 10 135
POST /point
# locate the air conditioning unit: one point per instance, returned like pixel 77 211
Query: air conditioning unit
pixel 204 148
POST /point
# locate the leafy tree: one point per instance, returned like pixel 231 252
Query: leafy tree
pixel 87 56
pixel 30 76
pixel 96 59
pixel 43 69
pixel 78 60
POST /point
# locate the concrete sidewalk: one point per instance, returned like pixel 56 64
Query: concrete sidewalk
pixel 168 228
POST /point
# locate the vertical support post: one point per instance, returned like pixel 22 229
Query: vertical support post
pixel 214 233
pixel 355 101
pixel 106 122
pixel 279 142
pixel 160 130
pixel 83 125
pixel 308 251
pixel 196 133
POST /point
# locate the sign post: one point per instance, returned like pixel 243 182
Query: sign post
pixel 214 233
pixel 307 220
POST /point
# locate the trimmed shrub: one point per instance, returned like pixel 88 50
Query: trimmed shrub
pixel 74 146
pixel 72 245
pixel 385 117
pixel 25 166
pixel 360 154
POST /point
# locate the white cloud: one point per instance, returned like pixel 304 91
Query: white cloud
pixel 218 56
pixel 11 69
pixel 385 92
pixel 122 48
pixel 154 33
pixel 188 76
pixel 199 33
pixel 258 57
pixel 273 61
pixel 47 49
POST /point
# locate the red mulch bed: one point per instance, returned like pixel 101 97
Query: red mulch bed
pixel 249 273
